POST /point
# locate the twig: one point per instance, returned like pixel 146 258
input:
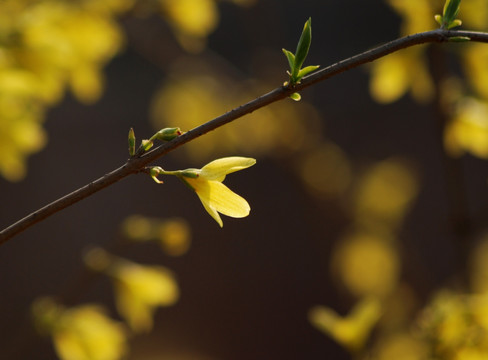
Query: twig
pixel 137 164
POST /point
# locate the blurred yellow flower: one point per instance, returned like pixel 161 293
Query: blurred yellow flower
pixel 350 331
pixel 192 21
pixel 384 194
pixel 81 333
pixel 456 326
pixel 468 130
pixel 417 15
pixel 173 234
pixel 475 57
pixel 45 47
pixel 367 265
pixel 215 196
pixel 325 170
pixel 139 289
pixel 394 75
pixel 400 346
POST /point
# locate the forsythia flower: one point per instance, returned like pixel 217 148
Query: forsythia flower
pixel 215 196
pixel 468 130
pixel 351 331
pixel 81 333
pixel 207 183
pixel 139 289
pixel 192 21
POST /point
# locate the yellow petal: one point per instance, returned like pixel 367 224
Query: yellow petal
pixel 217 169
pixel 227 202
pixel 216 197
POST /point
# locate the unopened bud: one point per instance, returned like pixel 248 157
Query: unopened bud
pixel 167 134
pixel 132 142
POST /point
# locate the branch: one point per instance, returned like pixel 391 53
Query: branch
pixel 136 164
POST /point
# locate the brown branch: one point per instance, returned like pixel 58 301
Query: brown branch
pixel 137 164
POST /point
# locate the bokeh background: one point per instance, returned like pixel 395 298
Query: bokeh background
pixel 369 200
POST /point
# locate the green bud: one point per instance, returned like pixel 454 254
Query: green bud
pixel 132 142
pixel 167 134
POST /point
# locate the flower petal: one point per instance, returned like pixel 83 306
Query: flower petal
pixel 217 169
pixel 216 197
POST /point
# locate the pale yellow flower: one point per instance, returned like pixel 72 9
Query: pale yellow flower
pixel 468 130
pixel 173 234
pixel 192 21
pixel 140 289
pixel 81 333
pixel 215 196
pixel 350 331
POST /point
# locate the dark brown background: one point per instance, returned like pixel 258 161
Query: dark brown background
pixel 245 289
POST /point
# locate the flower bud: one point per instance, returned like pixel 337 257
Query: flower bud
pixel 167 134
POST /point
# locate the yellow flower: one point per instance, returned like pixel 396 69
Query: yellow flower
pixel 173 234
pixel 81 333
pixel 139 289
pixel 393 76
pixel 468 130
pixel 350 331
pixel 215 196
pixel 192 21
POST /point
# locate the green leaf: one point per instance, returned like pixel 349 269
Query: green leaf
pixel 451 9
pixel 303 46
pixel 290 57
pixel 307 70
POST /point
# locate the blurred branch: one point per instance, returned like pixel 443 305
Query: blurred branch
pixel 136 164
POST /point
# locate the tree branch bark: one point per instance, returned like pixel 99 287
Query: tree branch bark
pixel 137 164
